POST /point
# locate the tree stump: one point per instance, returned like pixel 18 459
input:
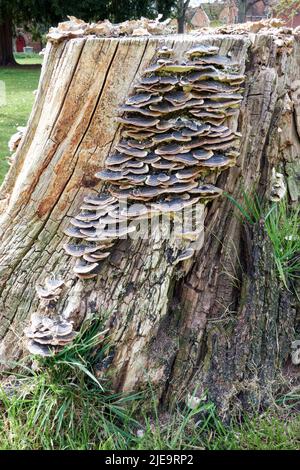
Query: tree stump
pixel 181 327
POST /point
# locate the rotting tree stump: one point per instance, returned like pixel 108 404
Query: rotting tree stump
pixel 181 328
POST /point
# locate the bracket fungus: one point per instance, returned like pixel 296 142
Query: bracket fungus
pixel 175 130
pixel 46 335
pixel 278 189
pixel 51 289
pixel 48 332
pixel 295 354
pixel 184 255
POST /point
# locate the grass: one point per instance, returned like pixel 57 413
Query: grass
pixel 283 227
pixel 28 59
pixel 282 224
pixel 63 404
pixel 266 432
pixel 18 84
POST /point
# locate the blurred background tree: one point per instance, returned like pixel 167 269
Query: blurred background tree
pixel 287 9
pixel 35 15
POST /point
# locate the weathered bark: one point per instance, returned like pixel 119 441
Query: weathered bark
pixel 6 43
pixel 179 329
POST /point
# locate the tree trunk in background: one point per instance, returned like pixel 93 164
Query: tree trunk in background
pixel 242 8
pixel 180 24
pixel 6 45
pixel 222 324
pixel 181 12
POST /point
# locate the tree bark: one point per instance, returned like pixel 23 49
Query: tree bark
pixel 6 43
pixel 220 324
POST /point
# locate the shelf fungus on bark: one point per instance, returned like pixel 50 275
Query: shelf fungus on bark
pixel 51 289
pixel 278 189
pixel 184 255
pixel 175 130
pixel 48 332
pixel 295 354
pixel 45 335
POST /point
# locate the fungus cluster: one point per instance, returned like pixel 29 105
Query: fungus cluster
pixel 174 132
pixel 46 335
pixel 278 187
pixel 47 332
pixel 295 354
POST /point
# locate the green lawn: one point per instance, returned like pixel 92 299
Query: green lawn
pixel 63 405
pixel 18 84
pixel 28 59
